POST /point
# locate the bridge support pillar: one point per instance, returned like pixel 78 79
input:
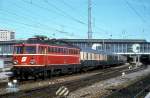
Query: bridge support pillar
pixel 137 60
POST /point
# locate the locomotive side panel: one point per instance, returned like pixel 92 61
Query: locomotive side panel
pixel 40 60
pixel 62 59
pixel 73 59
pixel 55 59
pixel 62 55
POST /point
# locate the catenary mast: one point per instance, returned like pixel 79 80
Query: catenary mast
pixel 89 20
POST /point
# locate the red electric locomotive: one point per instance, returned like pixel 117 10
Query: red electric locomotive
pixel 43 60
pixel 38 58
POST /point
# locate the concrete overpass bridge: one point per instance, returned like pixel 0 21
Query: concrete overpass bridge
pixel 116 46
pixel 132 53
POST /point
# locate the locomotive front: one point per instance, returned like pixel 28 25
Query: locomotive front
pixel 25 55
pixel 26 60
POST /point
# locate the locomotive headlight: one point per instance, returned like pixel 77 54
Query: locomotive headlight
pixel 15 62
pixel 32 62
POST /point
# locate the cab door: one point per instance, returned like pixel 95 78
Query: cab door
pixel 45 55
pixel 42 55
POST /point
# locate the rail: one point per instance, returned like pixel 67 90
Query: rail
pixel 141 93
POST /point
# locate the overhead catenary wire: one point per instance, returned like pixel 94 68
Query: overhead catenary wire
pixel 49 10
pixel 66 14
pixel 71 7
pixel 98 26
pixel 141 17
pixel 135 11
pixel 51 20
pixel 74 8
pixel 41 25
pixel 61 12
pixel 36 28
pixel 21 24
pixel 93 4
pixel 24 17
pixel 38 24
pixel 65 3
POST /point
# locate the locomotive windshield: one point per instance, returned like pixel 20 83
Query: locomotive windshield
pixel 25 50
pixel 30 49
pixel 18 50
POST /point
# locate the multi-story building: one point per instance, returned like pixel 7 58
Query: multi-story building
pixel 6 35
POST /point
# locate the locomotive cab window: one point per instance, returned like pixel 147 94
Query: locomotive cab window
pixel 30 49
pixel 18 49
pixel 25 49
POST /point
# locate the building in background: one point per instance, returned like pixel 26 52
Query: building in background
pixel 6 35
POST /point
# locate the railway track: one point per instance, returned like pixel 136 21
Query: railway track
pixel 138 89
pixel 54 78
pixel 73 84
pixel 22 82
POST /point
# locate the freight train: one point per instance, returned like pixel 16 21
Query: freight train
pixel 38 58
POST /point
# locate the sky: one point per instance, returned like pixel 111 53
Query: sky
pixel 111 19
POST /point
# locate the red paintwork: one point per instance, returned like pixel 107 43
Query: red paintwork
pixel 46 59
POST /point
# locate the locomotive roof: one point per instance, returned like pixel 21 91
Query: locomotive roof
pixel 53 42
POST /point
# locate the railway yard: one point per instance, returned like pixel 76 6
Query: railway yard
pixel 103 83
pixel 60 49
